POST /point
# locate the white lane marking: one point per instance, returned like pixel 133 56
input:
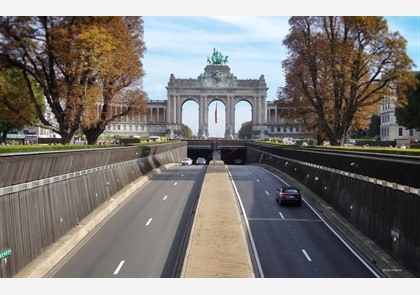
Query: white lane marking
pixel 258 180
pixel 254 248
pixel 119 267
pixel 281 215
pixel 306 254
pixel 182 175
pixel 335 233
pixel 164 198
pixel 148 222
pixel 267 193
pixel 175 183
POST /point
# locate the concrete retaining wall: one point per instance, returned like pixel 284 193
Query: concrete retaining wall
pixel 386 214
pixel 44 195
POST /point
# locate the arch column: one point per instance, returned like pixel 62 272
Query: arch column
pixel 230 116
pixel 254 111
pixel 178 108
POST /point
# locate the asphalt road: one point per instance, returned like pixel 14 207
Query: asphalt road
pixel 292 241
pixel 145 238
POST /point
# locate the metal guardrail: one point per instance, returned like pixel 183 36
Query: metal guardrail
pixel 393 185
pixel 49 180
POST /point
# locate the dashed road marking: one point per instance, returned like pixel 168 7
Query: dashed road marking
pixel 119 267
pixel 306 254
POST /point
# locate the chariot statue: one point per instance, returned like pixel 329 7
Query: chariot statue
pixel 217 58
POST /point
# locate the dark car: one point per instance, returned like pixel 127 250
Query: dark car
pixel 288 195
pixel 200 161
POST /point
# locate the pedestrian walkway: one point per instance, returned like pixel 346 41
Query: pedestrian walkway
pixel 218 245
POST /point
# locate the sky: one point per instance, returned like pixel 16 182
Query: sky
pixel 180 35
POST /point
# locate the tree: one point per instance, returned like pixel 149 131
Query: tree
pixel 372 131
pixel 408 113
pixel 246 130
pixel 82 65
pixel 186 131
pixel 16 108
pixel 374 128
pixel 337 71
pixel 118 81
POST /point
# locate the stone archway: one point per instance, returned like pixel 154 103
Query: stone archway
pixel 217 83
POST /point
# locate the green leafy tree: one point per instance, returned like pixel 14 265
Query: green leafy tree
pixel 186 131
pixel 338 69
pixel 88 67
pixel 246 130
pixel 408 113
pixel 372 131
pixel 16 107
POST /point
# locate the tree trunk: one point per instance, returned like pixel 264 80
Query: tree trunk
pixel 67 138
pixel 4 135
pixel 92 134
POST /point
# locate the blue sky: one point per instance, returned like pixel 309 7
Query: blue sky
pixel 180 35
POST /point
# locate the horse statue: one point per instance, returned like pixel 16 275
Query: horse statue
pixel 217 58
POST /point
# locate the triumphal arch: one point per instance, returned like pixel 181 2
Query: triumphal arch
pixel 217 83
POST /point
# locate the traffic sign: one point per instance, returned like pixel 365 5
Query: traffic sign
pixel 5 253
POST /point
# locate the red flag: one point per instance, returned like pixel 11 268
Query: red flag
pixel 215 114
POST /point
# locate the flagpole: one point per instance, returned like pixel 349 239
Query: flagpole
pixel 215 119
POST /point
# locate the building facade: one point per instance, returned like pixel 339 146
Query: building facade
pixel 389 129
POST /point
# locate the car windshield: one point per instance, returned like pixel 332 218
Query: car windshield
pixel 291 191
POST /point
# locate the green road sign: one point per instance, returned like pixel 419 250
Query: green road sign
pixel 395 234
pixel 5 253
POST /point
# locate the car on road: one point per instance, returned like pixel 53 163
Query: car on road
pixel 200 161
pixel 239 162
pixel 288 195
pixel 186 161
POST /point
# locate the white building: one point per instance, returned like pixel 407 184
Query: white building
pixel 390 130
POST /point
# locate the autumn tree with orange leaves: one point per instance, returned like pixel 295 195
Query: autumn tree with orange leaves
pixel 88 67
pixel 337 71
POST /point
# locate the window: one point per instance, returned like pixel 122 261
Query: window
pixel 400 131
pixel 410 132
